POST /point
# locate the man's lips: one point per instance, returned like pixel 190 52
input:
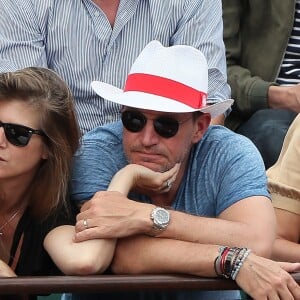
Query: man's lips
pixel 148 154
pixel 148 157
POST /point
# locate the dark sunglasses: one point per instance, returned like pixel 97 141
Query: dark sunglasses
pixel 135 121
pixel 19 135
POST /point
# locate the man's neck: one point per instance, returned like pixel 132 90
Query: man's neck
pixel 109 8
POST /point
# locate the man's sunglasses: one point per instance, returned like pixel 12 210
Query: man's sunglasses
pixel 19 135
pixel 135 121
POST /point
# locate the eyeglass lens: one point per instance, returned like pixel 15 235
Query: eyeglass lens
pixel 135 121
pixel 18 135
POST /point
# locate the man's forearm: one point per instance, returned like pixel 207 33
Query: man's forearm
pixel 143 254
pixel 256 233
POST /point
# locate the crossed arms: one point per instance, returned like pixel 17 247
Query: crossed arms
pixel 112 216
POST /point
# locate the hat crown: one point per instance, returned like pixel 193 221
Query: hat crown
pixel 191 69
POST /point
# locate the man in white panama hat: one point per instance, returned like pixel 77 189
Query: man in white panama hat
pixel 195 187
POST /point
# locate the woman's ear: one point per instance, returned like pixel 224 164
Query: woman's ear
pixel 200 126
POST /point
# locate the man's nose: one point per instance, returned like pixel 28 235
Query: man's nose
pixel 149 135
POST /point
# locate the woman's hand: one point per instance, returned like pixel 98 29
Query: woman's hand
pixel 5 270
pixel 142 179
pixel 145 180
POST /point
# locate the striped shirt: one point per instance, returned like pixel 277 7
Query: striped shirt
pixel 75 39
pixel 290 69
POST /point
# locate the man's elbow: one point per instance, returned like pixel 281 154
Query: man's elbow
pixel 262 244
pixel 263 249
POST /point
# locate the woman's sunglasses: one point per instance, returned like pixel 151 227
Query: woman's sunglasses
pixel 19 135
pixel 135 121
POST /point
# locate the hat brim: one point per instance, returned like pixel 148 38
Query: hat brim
pixel 154 102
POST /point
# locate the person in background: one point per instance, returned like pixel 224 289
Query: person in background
pixel 284 186
pixel 85 40
pixel 263 74
pixel 214 208
pixel 39 135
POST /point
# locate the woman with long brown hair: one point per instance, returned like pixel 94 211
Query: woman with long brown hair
pixel 39 135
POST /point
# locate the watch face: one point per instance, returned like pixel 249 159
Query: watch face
pixel 161 217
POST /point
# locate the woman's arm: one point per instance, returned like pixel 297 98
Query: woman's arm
pixel 88 257
pixel 94 256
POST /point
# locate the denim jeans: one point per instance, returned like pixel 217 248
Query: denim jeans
pixel 267 129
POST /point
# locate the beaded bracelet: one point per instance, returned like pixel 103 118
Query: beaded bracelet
pixel 229 261
pixel 238 264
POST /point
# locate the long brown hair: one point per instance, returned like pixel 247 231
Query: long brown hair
pixel 50 96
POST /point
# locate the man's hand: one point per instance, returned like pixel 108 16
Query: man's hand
pixel 285 97
pixel 112 215
pixel 262 278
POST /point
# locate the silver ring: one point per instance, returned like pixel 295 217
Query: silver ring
pixel 85 224
pixel 169 184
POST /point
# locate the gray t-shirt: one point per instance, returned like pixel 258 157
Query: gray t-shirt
pixel 224 167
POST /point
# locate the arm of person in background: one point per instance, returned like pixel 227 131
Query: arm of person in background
pixel 21 40
pixel 285 97
pixel 286 246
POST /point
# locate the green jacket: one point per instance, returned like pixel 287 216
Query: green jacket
pixel 256 33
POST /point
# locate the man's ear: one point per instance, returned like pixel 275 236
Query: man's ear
pixel 200 126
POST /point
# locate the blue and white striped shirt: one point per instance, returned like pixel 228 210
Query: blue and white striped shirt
pixel 75 39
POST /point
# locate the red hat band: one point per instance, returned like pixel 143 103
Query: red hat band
pixel 164 87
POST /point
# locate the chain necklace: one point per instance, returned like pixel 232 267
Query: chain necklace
pixel 8 221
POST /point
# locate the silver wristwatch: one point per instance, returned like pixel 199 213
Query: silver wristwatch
pixel 160 218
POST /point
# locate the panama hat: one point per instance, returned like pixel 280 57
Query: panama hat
pixel 166 79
